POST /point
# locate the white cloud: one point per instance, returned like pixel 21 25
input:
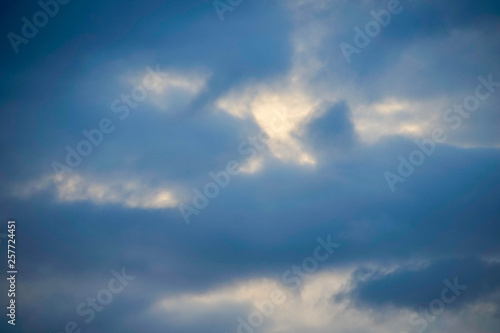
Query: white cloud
pixel 396 117
pixel 76 187
pixel 315 309
pixel 251 166
pixel 283 107
pixel 177 89
pixel 280 112
pixel 169 89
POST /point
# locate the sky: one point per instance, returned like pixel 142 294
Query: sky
pixel 238 166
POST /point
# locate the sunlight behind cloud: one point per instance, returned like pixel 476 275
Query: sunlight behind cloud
pixel 281 114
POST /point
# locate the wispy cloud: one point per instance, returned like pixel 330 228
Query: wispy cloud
pixel 76 187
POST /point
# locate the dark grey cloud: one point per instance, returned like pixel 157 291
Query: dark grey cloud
pixel 417 287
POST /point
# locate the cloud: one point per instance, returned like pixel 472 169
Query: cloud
pixel 415 118
pixel 280 113
pixel 76 187
pixel 413 286
pixel 169 89
pixel 282 106
pixel 332 131
pixel 312 309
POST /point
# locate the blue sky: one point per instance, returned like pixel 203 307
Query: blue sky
pixel 195 159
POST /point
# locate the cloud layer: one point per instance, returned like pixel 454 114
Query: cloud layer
pixel 313 136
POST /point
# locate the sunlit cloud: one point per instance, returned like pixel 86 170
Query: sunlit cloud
pixel 322 304
pixel 283 107
pixel 76 187
pixel 171 88
pixel 396 117
pixel 252 166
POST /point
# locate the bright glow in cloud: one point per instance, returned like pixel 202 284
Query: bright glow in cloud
pixel 280 112
pixel 283 108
